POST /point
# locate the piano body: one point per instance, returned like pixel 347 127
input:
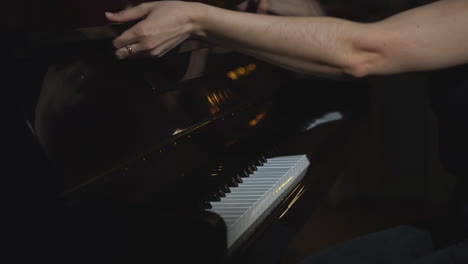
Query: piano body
pixel 187 157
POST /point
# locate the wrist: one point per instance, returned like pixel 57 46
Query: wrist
pixel 199 19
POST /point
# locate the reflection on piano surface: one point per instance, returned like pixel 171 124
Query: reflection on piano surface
pixel 147 154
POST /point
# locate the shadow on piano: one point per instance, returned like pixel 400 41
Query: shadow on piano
pixel 131 161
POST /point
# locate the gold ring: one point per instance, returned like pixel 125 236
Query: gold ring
pixel 129 50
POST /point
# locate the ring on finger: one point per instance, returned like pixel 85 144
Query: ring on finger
pixel 129 50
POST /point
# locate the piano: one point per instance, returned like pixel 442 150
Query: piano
pixel 188 157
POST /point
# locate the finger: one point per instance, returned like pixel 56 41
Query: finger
pixel 130 14
pixel 128 37
pixel 129 51
pixel 167 46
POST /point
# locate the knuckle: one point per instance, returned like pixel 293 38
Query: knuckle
pixel 140 31
pixel 145 32
pixel 119 54
pixel 155 53
pixel 146 45
pixel 143 6
pixel 116 43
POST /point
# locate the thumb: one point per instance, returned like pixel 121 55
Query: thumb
pixel 130 14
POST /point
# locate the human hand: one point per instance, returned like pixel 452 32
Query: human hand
pixel 285 7
pixel 162 26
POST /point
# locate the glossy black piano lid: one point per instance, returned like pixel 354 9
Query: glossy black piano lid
pixel 80 100
pixel 127 132
pixel 99 133
pixel 94 115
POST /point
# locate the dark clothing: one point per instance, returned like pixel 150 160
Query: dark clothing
pixel 449 98
pixel 399 245
pixel 410 245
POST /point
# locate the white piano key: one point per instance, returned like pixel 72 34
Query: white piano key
pixel 246 193
pixel 248 197
pixel 232 210
pixel 258 184
pixel 259 193
pixel 250 189
pixel 239 201
pixel 261 180
pixel 272 169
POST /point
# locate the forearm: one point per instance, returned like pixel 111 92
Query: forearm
pixel 299 65
pixel 425 38
pixel 321 45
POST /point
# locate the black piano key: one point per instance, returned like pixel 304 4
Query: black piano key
pixel 238 178
pixel 221 178
pixel 221 192
pixel 233 182
pixel 207 205
pixel 215 197
pixel 226 188
pixel 258 162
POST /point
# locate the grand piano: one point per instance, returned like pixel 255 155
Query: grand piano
pixel 187 157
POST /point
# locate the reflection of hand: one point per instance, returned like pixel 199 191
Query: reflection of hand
pixel 164 25
pixel 285 7
pixel 61 85
pixel 61 89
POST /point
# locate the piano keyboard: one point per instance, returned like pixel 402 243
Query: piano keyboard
pixel 249 203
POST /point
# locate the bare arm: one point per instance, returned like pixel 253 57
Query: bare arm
pixel 430 37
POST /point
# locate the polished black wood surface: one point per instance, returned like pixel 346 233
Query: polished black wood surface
pixel 123 156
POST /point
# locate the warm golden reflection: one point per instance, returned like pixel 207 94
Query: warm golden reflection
pixel 217 99
pixel 284 184
pixel 257 119
pixel 232 75
pixel 241 71
pixel 251 67
pixel 177 131
pixel 214 110
pixel 294 200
